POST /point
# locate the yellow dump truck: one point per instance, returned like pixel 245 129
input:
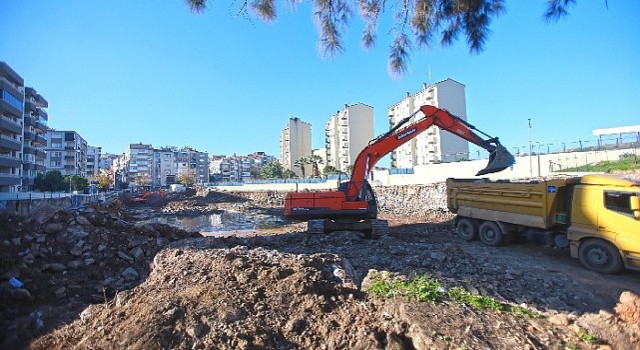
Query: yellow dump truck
pixel 596 216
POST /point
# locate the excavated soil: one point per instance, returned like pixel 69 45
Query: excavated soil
pixel 93 279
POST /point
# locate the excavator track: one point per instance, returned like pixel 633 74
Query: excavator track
pixel 379 228
pixel 315 226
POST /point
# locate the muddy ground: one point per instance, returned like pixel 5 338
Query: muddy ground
pixel 93 278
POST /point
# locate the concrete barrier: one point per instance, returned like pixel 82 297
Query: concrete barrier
pixel 542 165
pixel 27 207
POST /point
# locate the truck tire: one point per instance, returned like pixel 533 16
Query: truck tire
pixel 601 256
pixel 491 234
pixel 467 229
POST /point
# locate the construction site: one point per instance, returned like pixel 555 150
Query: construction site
pixel 95 277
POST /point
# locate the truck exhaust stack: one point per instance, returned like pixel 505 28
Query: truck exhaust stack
pixel 499 160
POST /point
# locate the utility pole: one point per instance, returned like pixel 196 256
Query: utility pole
pixel 530 150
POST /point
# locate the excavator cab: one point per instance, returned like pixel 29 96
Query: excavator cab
pixel 499 159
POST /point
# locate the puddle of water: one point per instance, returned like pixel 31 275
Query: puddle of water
pixel 221 224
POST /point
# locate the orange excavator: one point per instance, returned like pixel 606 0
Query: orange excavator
pixel 143 198
pixel 353 206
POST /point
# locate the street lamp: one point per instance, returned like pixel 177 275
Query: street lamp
pixel 530 150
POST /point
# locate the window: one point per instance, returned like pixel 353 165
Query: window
pixel 12 100
pixel 618 202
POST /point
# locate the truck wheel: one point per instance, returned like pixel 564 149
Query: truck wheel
pixel 467 229
pixel 600 256
pixel 491 234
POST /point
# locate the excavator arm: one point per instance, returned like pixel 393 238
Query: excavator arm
pixel 499 157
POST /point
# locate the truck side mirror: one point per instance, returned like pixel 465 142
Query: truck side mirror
pixel 635 206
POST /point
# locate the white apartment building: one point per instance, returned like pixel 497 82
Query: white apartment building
pixel 163 166
pixel 106 161
pixel 433 145
pixel 139 164
pixel 346 133
pixel 93 161
pixel 295 143
pixel 66 152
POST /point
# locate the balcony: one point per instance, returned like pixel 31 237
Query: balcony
pixel 9 179
pixel 9 162
pixel 7 143
pixel 40 140
pixel 33 166
pixel 10 125
pixel 7 107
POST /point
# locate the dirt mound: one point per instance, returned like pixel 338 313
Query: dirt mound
pixel 199 296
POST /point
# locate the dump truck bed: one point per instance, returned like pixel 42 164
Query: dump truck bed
pixel 539 204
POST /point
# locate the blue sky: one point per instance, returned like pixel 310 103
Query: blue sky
pixel 150 71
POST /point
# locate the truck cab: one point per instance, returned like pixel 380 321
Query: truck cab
pixel 605 223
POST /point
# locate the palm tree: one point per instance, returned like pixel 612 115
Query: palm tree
pixel 314 160
pixel 301 163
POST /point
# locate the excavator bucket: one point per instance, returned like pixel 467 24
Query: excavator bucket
pixel 499 160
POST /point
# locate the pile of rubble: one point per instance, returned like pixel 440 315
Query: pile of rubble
pixel 59 261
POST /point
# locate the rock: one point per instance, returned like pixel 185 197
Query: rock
pixel 130 274
pixel 76 251
pixel 78 232
pixel 74 264
pixel 21 294
pixel 82 220
pixel 559 320
pixel 89 261
pixel 61 292
pixel 138 253
pixel 124 256
pixel 628 308
pixel 102 247
pixel 16 241
pixel 53 228
pixel 441 257
pixel 54 267
pixel 197 331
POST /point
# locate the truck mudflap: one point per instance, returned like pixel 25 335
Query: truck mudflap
pixel 499 160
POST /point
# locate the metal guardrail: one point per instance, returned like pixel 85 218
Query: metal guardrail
pixel 76 198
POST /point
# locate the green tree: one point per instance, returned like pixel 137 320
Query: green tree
pixel 52 181
pixel 301 163
pixel 417 23
pixel 272 170
pixel 315 160
pixel 104 181
pixel 142 180
pixel 187 178
pixel 330 169
pixel 289 174
pixel 78 183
